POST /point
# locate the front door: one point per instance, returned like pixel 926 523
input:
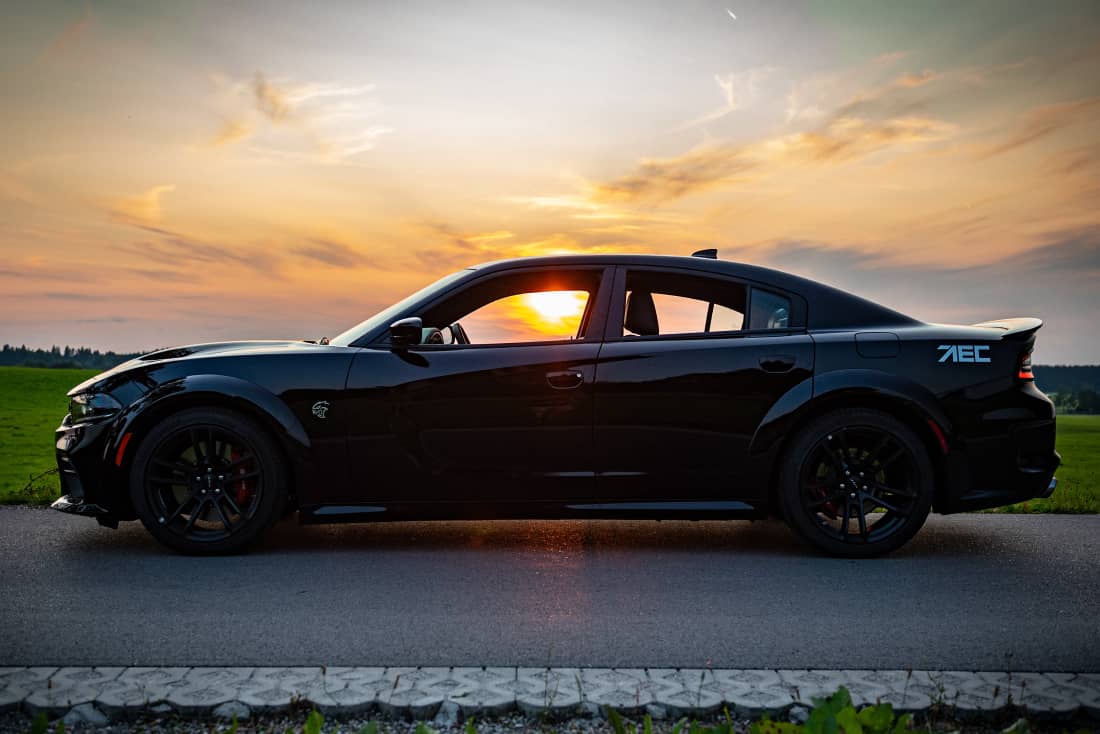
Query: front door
pixel 500 411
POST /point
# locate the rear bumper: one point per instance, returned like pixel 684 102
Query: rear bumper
pixel 1008 467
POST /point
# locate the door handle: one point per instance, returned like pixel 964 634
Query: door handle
pixel 777 363
pixel 565 380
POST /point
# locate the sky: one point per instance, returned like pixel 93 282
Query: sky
pixel 174 173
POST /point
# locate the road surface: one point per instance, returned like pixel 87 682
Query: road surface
pixel 971 592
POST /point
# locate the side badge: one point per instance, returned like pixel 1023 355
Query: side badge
pixel 320 409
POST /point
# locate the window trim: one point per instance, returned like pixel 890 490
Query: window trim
pixel 617 308
pixel 597 309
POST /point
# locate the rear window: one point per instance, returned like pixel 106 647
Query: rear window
pixel 769 310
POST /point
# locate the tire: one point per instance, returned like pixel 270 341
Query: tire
pixel 208 481
pixel 865 463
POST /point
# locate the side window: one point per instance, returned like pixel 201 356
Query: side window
pixel 674 303
pixel 769 310
pixel 527 317
pixel 517 308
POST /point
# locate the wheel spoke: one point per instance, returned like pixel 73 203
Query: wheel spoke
pixel 179 508
pixel 880 487
pixel 168 480
pixel 892 458
pixel 862 522
pixel 238 462
pixel 845 450
pixel 196 446
pixel 845 517
pixel 221 513
pixel 232 504
pixel 194 516
pixel 175 466
pixel 884 504
pixel 874 453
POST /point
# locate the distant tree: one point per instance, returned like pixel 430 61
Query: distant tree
pixel 1064 402
pixel 1088 401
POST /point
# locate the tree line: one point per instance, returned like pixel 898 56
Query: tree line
pixel 61 357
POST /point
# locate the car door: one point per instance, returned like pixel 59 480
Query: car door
pixel 686 375
pixel 506 418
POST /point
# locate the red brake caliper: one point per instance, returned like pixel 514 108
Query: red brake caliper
pixel 243 491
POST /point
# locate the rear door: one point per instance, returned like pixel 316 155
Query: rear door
pixel 690 366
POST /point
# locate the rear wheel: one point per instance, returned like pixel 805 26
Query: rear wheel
pixel 207 481
pixel 856 483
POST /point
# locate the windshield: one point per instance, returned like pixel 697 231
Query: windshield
pixel 389 315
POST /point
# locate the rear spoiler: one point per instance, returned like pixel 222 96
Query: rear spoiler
pixel 1018 329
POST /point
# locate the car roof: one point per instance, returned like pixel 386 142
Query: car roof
pixel 828 307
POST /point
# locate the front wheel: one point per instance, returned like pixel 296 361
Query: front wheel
pixel 856 483
pixel 207 481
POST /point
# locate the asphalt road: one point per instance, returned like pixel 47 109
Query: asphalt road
pixel 971 592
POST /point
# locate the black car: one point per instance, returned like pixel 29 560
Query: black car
pixel 600 386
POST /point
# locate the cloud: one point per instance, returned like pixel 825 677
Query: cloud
pixel 187 255
pixel 700 169
pixel 143 208
pixel 271 101
pixel 231 132
pixel 712 166
pixel 331 253
pixel 71 34
pixel 1044 121
pixel 738 90
pixel 846 138
pixel 316 122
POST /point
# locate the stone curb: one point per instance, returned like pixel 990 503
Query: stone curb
pixel 97 695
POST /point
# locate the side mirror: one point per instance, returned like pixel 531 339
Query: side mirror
pixel 406 332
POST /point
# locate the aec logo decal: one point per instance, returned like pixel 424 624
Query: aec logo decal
pixel 964 353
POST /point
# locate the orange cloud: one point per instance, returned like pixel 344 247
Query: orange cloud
pixel 143 208
pixel 1046 120
pixel 231 132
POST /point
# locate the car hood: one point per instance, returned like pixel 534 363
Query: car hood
pixel 212 349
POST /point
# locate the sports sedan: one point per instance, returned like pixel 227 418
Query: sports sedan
pixel 601 386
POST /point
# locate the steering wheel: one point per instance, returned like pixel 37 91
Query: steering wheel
pixel 458 334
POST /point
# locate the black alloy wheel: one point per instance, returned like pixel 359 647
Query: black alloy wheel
pixel 207 481
pixel 856 483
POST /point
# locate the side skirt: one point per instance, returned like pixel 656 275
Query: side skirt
pixel 406 511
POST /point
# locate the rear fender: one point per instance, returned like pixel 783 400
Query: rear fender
pixel 907 400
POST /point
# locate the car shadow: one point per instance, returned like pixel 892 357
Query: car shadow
pixel 769 538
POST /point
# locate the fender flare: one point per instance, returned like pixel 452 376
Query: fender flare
pixel 223 390
pixel 862 385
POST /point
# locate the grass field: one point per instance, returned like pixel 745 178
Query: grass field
pixel 33 402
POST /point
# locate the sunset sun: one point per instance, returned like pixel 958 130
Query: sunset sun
pixel 554 307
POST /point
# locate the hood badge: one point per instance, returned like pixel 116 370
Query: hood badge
pixel 320 409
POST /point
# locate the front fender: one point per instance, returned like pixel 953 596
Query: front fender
pixel 205 389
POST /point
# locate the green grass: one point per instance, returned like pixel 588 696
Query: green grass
pixel 33 402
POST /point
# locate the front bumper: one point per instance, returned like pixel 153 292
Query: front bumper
pixel 85 473
pixel 77 506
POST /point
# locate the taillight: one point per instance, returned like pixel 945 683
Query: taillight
pixel 1025 372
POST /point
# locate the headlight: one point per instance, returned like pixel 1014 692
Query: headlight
pixel 92 406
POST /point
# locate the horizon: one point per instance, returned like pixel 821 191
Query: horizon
pixel 190 173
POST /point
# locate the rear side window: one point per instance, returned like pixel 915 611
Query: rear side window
pixel 661 303
pixel 769 310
